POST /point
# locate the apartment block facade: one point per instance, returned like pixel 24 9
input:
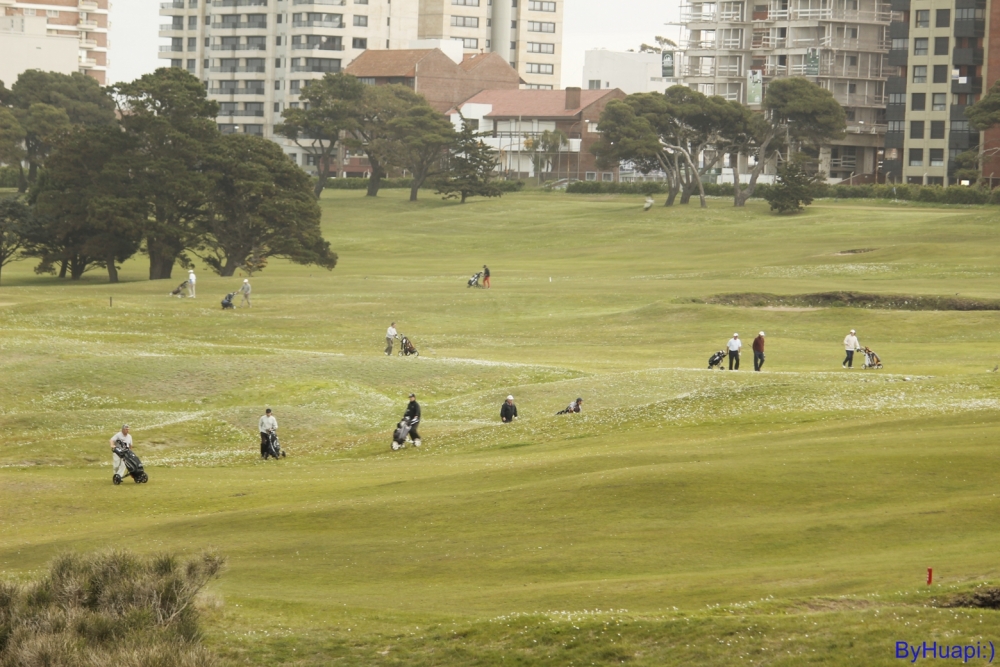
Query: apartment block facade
pixel 734 48
pixel 938 46
pixel 84 20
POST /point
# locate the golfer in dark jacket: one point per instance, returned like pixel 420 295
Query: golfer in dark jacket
pixel 486 276
pixel 508 411
pixel 758 351
pixel 413 417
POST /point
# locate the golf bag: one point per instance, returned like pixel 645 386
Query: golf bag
pixel 474 280
pixel 274 449
pixel 227 303
pixel 132 464
pixel 716 360
pixel 399 435
pixel 406 347
pixel 872 360
pixel 179 291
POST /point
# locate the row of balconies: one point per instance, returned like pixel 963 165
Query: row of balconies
pixel 768 42
pixel 882 13
pixel 81 5
pixel 959 57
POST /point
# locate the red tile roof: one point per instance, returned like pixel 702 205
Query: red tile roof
pixel 396 62
pixel 535 103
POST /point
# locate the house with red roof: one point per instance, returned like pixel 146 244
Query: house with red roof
pixel 516 120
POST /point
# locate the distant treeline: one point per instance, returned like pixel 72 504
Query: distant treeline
pixel 920 193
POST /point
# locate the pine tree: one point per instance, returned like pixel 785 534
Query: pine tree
pixel 471 167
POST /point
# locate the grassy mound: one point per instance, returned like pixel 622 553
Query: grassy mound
pixel 111 608
pixel 853 300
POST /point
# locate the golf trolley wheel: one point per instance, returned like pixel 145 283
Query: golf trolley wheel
pixel 137 479
pixel 117 479
pixel 145 478
pixel 396 446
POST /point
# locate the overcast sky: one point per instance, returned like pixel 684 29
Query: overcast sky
pixel 611 24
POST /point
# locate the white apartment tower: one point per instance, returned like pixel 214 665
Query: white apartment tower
pixel 256 55
pixel 842 45
pixel 84 20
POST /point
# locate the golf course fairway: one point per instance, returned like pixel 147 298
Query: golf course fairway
pixel 686 516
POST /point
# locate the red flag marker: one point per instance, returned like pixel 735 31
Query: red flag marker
pixel 930 575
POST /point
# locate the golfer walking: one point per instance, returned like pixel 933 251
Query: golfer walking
pixel 390 335
pixel 486 276
pixel 120 440
pixel 267 425
pixel 245 291
pixel 508 411
pixel 851 345
pixel 734 345
pixel 191 282
pixel 758 351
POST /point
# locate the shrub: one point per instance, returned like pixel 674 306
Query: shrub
pixel 598 187
pixel 8 177
pixel 108 609
pixel 793 191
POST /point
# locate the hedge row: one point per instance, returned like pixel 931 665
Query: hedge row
pixel 404 183
pixel 8 177
pixel 921 193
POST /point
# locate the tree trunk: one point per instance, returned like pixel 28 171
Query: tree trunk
pixel 229 269
pixel 686 193
pixel 63 266
pixel 375 180
pixel 464 195
pixel 112 269
pixel 322 173
pixel 672 196
pixel 32 172
pixel 162 256
pixel 413 191
pixel 22 182
pixel 77 266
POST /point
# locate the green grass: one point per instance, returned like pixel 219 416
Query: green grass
pixel 686 517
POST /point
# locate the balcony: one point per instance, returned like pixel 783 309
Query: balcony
pixel 88 44
pixel 866 128
pixel 248 25
pixel 691 15
pixel 706 70
pixel 326 3
pixel 967 85
pixel 848 43
pixel 316 68
pixel 768 42
pixel 900 5
pixel 87 6
pixel 970 28
pixel 882 14
pixel 87 62
pixel 860 99
pixel 245 113
pixel 894 139
pixel 176 4
pixel 259 69
pixel 957 112
pixel 898 57
pixel 963 140
pixel 236 91
pixel 237 47
pixel 172 48
pixel 86 25
pixel 317 24
pixel 171 27
pixel 239 3
pixel 966 57
pixel 317 47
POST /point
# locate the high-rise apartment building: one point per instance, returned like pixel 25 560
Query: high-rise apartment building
pixel 734 48
pixel 255 56
pixel 938 47
pixel 527 33
pixel 85 20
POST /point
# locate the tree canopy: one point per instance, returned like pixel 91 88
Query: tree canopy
pixel 376 108
pixel 420 137
pixel 471 167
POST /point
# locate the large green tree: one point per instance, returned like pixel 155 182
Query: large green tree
pixel 378 106
pixel 985 113
pixel 172 128
pixel 471 167
pixel 90 209
pixel 330 109
pixel 419 139
pixel 260 205
pixel 48 104
pixel 796 112
pixel 12 137
pixel 15 217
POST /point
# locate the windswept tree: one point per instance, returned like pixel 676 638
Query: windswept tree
pixel 12 137
pixel 261 205
pixel 378 106
pixel 48 104
pixel 471 167
pixel 90 210
pixel 329 110
pixel 985 113
pixel 420 138
pixel 15 218
pixel 798 113
pixel 171 124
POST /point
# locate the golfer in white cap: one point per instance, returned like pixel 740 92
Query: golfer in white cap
pixel 508 411
pixel 851 345
pixel 245 291
pixel 758 351
pixel 122 440
pixel 734 345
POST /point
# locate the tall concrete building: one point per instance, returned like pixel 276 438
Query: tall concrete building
pixel 630 71
pixel 86 21
pixel 735 47
pixel 938 46
pixel 527 33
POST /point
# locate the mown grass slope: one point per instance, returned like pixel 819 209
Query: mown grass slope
pixel 784 517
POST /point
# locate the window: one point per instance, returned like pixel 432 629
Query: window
pixel 895 126
pixel 192 22
pixel 469 43
pixel 923 18
pixel 607 176
pixel 916 157
pixel 959 126
pixel 467 3
pixel 594 84
pixel 539 86
pixel 937 157
pixel 536 6
pixel 591 176
pixel 277 62
pixel 900 44
pixel 916 129
pixel 31 12
pixel 969 14
pixel 367 80
pixel 943 18
pixel 897 98
pixel 192 65
pixel 940 74
pixel 465 21
pixel 54 13
pixel 852 61
pixel 940 46
pixel 192 43
pixel 254 108
pixel 254 129
pixel 359 43
pixel 920 46
pixel 918 102
pixel 541 47
pixel 852 88
pixel 539 26
pixel 294 87
pixel 361 2
pixel 920 74
pixel 176 62
pixel 939 101
pixel 228 108
pixel 361 21
pixel 538 68
pixel 277 84
pixel 937 129
pixel 257 43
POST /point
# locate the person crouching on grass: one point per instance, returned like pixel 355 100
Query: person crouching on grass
pixel 508 411
pixel 267 425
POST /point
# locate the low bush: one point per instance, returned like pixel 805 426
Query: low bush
pixel 8 177
pixel 112 608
